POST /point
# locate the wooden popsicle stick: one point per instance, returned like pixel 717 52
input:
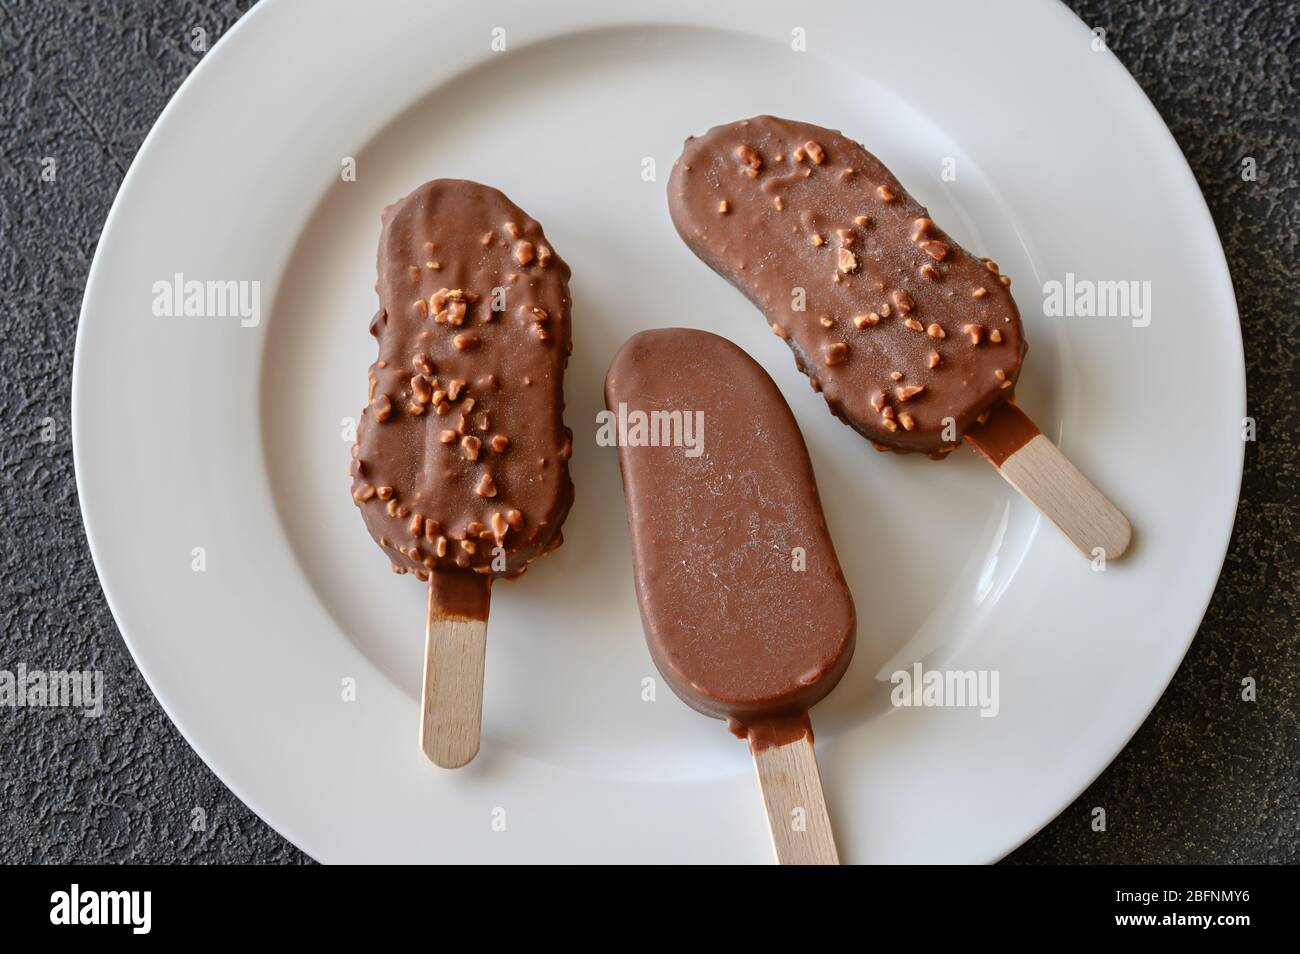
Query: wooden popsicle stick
pixel 792 792
pixel 451 715
pixel 1035 466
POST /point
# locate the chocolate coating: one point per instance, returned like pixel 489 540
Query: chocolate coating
pixel 736 629
pixel 890 329
pixel 463 447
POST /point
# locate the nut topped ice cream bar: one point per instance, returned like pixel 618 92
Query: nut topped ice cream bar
pixel 911 339
pixel 461 459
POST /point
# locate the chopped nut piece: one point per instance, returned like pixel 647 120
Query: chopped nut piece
pixel 907 392
pixel 930 272
pixel 454 387
pixel 936 250
pixel 999 374
pixel 453 314
pixel 869 319
pixel 914 324
pixel 979 292
pixel 847 236
pixel 422 364
pixel 417 525
pixel 499 443
pixel 885 194
pixel 779 203
pixel 837 353
pixel 722 207
pixel 749 158
pixel 543 256
pixel 487 487
pixel 889 425
pixel 934 359
pixel 903 301
pixel 470 444
pixel 364 492
pixel 524 253
pixel 469 546
pixel 995 336
pixel 878 401
pixel 383 407
pixel 513 230
pixel 826 321
pixel 921 228
pixel 991 265
pixel 848 262
pixel 779 332
pixel 814 152
pixel 465 342
pixel 885 310
pixel 416 408
pixel 421 389
pixel 936 331
pixel 392 508
pixel 1005 280
pixel 976 332
pixel 446 436
pixel 499 527
pixel 896 375
pixel 818 240
pixel 862 220
pixel 440 547
pixel 798 154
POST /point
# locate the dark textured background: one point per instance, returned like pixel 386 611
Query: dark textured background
pixel 1207 778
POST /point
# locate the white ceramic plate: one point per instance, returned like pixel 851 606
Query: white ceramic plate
pixel 201 433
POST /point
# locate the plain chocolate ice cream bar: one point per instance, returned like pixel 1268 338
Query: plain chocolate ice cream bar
pixel 901 329
pixel 461 460
pixel 744 607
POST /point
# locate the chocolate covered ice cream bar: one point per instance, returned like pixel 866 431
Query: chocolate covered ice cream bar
pixel 461 466
pixel 746 612
pixel 914 341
